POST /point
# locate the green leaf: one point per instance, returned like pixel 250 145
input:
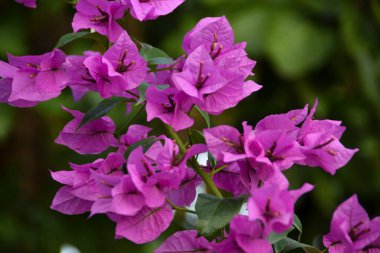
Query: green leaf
pixel 101 109
pixel 101 40
pixel 274 237
pixel 304 47
pixel 69 37
pixel 215 213
pixel 145 144
pixel 196 136
pixel 288 244
pixel 154 55
pixel 142 91
pixel 136 109
pixel 298 225
pixel 205 115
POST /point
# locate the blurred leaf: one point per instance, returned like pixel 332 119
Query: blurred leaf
pixel 288 244
pixel 69 37
pixel 298 225
pixel 142 91
pixel 295 45
pixel 154 55
pixel 205 115
pixel 214 213
pixel 274 237
pixel 135 110
pixel 101 109
pixel 251 25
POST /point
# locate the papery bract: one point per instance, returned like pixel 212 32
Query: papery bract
pixel 199 76
pixel 321 145
pixel 92 138
pixel 273 205
pixel 185 241
pixel 145 226
pixel 28 3
pixel 99 15
pixel 245 237
pixel 170 106
pixel 126 60
pixel 35 78
pixel 352 230
pixel 215 34
pixel 151 9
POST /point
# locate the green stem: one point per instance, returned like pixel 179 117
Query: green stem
pixel 194 164
pixel 212 173
pixel 181 209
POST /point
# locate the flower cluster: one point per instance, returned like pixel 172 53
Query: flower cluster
pixel 135 193
pixel 352 230
pixel 143 179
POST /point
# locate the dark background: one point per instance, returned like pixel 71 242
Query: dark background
pixel 304 49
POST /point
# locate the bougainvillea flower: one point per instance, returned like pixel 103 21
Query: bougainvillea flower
pixel 229 95
pixel 352 230
pixel 79 79
pixel 246 236
pixel 134 134
pixel 321 145
pixel 273 205
pixel 92 138
pixel 235 61
pixel 186 193
pixel 224 140
pixel 229 179
pixel 109 82
pixel 145 226
pixel 28 3
pixel 270 150
pixel 151 9
pixel 7 73
pixel 99 15
pixel 126 60
pixel 152 182
pixel 65 201
pixel 215 34
pixel 185 241
pixel 170 106
pixel 199 76
pixel 118 195
pixel 286 122
pixel 38 78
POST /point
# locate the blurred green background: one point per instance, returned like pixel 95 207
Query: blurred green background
pixel 304 49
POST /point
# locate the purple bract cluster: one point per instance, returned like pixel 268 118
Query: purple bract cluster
pixel 138 186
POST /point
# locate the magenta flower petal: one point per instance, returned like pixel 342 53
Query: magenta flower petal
pixel 207 32
pixel 92 138
pixel 185 241
pixel 28 3
pixel 222 140
pixel 66 203
pixel 151 9
pixel 146 225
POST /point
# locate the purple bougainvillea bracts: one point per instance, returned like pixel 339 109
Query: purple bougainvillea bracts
pixel 99 15
pixel 152 9
pixel 28 3
pixel 139 180
pixel 92 138
pixel 352 230
pixel 33 79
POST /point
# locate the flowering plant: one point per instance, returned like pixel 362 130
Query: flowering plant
pixel 144 179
